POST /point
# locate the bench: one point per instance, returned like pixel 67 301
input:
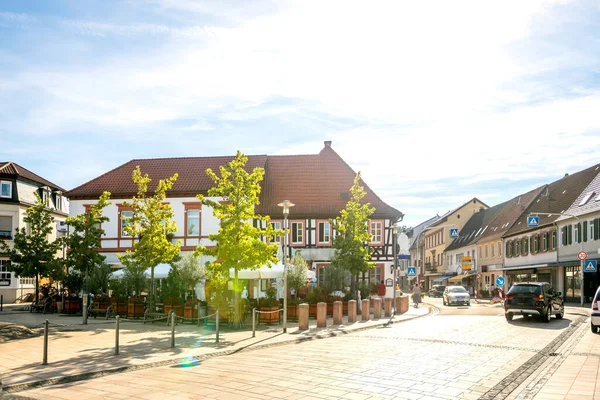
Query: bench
pixel 100 311
pixel 42 307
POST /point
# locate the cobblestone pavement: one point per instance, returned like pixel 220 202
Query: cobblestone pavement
pixel 437 357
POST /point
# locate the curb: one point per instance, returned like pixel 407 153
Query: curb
pixel 4 391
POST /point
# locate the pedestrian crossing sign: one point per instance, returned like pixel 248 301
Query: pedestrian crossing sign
pixel 590 266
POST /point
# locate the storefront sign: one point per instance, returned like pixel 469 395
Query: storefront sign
pixel 467 258
pixel 467 267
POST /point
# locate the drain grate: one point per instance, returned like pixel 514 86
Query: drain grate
pixel 554 354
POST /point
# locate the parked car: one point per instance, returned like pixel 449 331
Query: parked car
pixel 456 295
pixel 596 312
pixel 533 298
pixel 436 291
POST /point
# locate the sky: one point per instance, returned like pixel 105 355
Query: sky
pixel 435 102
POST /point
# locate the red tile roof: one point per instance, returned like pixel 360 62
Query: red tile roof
pixel 192 177
pixel 315 183
pixel 10 168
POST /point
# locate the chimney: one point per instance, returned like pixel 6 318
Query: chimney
pixel 328 143
pixel 567 174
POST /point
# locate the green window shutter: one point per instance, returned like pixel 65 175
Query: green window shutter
pixel 537 242
pixel 563 239
pixel 579 232
pixel 570 235
pixel 585 229
pixel 596 228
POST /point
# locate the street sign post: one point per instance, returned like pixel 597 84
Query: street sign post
pixel 582 255
pixel 500 281
pixel 412 271
pixel 533 220
pixel 590 266
pixel 453 233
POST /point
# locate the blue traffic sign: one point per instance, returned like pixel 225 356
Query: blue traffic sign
pixel 533 220
pixel 453 233
pixel 412 271
pixel 590 266
pixel 403 256
pixel 499 281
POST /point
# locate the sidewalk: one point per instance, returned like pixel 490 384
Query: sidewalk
pixel 81 352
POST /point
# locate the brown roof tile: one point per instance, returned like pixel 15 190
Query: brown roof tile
pixel 9 168
pixel 192 176
pixel 555 198
pixel 314 183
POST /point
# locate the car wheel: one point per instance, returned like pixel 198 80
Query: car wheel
pixel 508 316
pixel 469 304
pixel 547 315
pixel 595 328
pixel 561 314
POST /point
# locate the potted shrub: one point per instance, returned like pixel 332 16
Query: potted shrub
pixel 269 303
pixel 119 304
pixel 173 303
pixel 190 308
pixel 136 307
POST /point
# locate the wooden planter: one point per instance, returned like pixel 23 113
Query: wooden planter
pixel 330 309
pixel 190 312
pixel 72 306
pixel 101 305
pixel 135 310
pixel 269 318
pixel 222 314
pixel 119 307
pixel 292 312
pixel 312 310
pixel 345 308
pixel 178 308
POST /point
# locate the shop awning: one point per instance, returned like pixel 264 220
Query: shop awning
pixel 442 279
pixel 524 267
pixel 459 278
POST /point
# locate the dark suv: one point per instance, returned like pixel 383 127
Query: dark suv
pixel 533 298
pixel 436 291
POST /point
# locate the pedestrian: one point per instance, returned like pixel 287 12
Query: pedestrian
pixel 381 289
pixel 416 295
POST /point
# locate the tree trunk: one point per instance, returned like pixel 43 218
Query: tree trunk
pixel 37 288
pixel 236 299
pixel 151 300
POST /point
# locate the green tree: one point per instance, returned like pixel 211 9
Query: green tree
pixel 150 227
pixel 32 254
pixel 297 273
pixel 190 270
pixel 83 242
pixel 351 243
pixel 239 244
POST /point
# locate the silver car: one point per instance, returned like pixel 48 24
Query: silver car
pixel 456 295
pixel 596 312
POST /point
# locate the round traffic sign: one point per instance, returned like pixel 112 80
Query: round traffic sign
pixel 582 255
pixel 499 281
pixel 479 276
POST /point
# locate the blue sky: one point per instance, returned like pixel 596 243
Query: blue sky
pixel 434 102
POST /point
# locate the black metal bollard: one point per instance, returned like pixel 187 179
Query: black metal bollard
pixel 117 337
pixel 1 302
pixel 254 322
pixel 45 359
pixel 172 329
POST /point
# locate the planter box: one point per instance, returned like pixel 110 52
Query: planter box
pixel 101 305
pixel 72 306
pixel 330 309
pixel 135 310
pixel 222 314
pixel 345 308
pixel 190 312
pixel 292 312
pixel 178 308
pixel 312 310
pixel 269 318
pixel 119 308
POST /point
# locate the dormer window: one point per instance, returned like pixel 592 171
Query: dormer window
pixel 45 194
pixel 586 198
pixel 6 189
pixel 59 201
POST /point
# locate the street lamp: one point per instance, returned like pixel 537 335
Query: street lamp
pixel 286 204
pixel 395 255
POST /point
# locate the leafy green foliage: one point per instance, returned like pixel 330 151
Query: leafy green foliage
pixel 32 254
pixel 83 259
pixel 150 226
pixel 297 273
pixel 190 270
pixel 335 278
pixel 351 243
pixel 239 244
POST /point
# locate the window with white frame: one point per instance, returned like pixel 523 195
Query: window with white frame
pixel 277 226
pixel 125 217
pixel 5 227
pixel 46 195
pixel 193 222
pixel 376 274
pixel 5 272
pixel 59 201
pixel 26 281
pixel 6 189
pixel 324 232
pixel 297 233
pixel 376 231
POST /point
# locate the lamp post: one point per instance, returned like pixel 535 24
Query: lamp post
pixel 395 255
pixel 286 204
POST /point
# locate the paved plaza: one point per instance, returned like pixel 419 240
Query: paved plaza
pixel 437 356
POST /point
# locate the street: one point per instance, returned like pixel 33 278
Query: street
pixel 460 353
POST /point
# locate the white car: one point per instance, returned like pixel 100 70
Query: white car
pixel 596 312
pixel 456 295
